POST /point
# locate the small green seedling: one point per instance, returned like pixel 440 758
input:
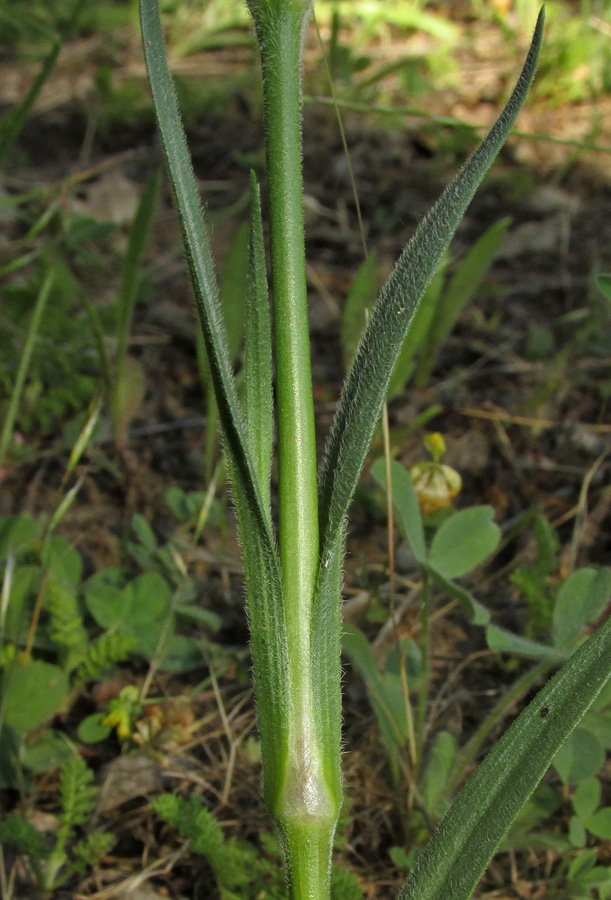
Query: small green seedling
pixel 54 862
pixel 46 633
pixel 442 554
pixel 589 817
pixel 577 606
pixel 580 765
pixel 43 619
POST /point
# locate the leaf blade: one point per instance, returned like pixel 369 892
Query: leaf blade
pixel 258 350
pixel 461 289
pixel 261 564
pixel 365 389
pixel 463 541
pixel 463 845
pixel 405 501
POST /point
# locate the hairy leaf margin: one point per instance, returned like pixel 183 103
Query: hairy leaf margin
pixel 261 564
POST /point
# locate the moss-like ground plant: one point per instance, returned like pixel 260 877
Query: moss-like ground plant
pixel 293 573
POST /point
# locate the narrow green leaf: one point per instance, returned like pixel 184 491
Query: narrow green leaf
pixel 405 502
pixel 586 798
pixel 129 392
pixel 363 291
pixel 463 541
pixel 132 267
pixel 476 611
pixel 468 278
pixel 581 600
pixel 195 236
pixel 461 289
pixel 11 414
pixel 582 864
pixel 212 414
pixel 261 565
pixel 502 641
pixel 14 122
pixel 600 824
pixel 83 439
pixel 259 411
pixel 65 504
pixel 26 704
pixel 385 690
pixel 128 384
pixel 463 845
pixel 438 769
pixel 603 283
pixel 416 340
pixel 358 649
pixel 367 383
pixel 580 757
pixel 326 657
pixel 232 290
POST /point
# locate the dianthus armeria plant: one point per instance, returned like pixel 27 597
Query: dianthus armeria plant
pixel 293 573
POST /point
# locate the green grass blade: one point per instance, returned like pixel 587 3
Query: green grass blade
pixel 99 340
pixel 459 852
pixel 405 501
pixel 132 266
pixel 416 341
pixel 14 122
pixel 128 384
pixel 261 565
pixel 363 291
pixel 468 278
pixel 258 351
pixel 367 382
pixel 461 289
pixel 11 414
pixel 232 290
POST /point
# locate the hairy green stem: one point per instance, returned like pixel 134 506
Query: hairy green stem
pixel 306 808
pixel 280 38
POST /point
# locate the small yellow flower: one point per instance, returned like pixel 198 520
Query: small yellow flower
pixel 119 720
pixel 435 484
pixel 122 711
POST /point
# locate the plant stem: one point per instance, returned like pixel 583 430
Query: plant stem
pixel 280 42
pixel 424 661
pixel 305 808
